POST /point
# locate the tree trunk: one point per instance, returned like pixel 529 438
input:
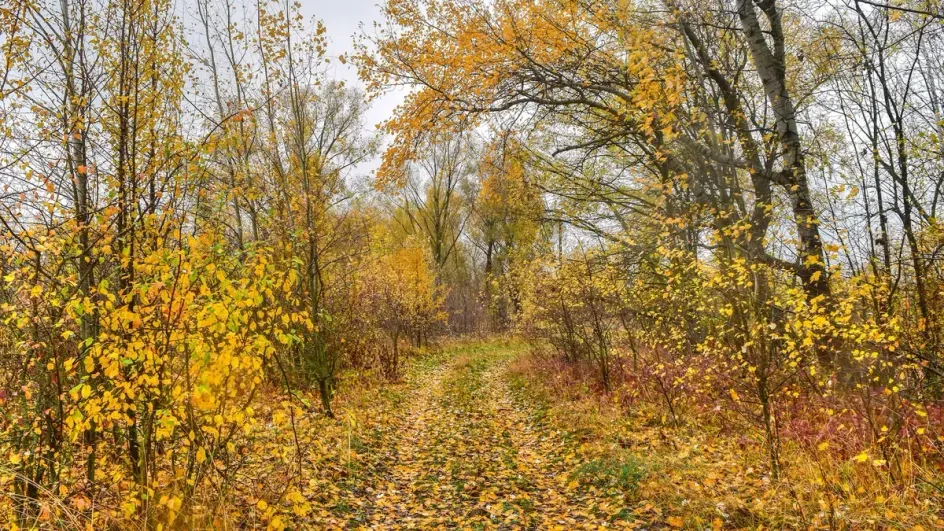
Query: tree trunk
pixel 771 67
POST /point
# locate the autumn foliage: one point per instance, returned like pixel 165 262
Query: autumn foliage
pixel 166 274
pixel 711 227
pixel 738 215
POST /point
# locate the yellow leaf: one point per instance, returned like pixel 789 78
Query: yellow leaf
pixel 277 524
pixel 676 522
pixel 201 455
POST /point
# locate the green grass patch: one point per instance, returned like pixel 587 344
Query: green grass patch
pixel 623 473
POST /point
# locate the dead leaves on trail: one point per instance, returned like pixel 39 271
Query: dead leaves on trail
pixel 465 452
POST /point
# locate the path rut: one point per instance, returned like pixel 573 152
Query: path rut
pixel 470 454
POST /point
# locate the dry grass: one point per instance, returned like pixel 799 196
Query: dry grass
pixel 708 473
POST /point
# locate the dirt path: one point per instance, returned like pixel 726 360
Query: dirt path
pixel 469 454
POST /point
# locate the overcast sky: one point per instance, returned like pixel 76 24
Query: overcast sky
pixel 343 19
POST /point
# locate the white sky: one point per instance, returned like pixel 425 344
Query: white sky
pixel 343 19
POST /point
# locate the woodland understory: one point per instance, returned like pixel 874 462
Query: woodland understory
pixel 608 264
pixel 495 434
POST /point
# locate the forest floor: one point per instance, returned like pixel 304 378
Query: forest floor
pixel 458 445
pixel 483 436
pixel 474 453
